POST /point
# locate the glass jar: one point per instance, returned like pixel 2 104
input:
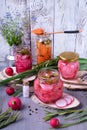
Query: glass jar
pixel 68 64
pixel 43 48
pixel 23 59
pixel 48 86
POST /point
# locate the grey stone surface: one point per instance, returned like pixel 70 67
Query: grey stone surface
pixel 32 119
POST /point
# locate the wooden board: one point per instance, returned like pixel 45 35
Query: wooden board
pixel 75 103
pixel 76 83
pixel 77 79
pixel 75 87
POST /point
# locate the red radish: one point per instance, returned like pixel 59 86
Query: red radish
pixel 54 122
pixel 64 101
pixel 10 90
pixel 69 99
pixel 61 103
pixel 15 103
pixel 9 71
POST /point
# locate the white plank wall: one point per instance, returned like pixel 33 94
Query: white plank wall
pixel 53 15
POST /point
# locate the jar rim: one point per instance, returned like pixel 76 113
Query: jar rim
pixel 45 74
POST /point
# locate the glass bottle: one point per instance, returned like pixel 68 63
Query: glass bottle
pixel 43 48
pixel 48 86
pixel 25 88
pixel 23 59
pixel 68 64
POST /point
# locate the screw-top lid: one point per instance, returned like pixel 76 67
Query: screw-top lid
pixel 69 56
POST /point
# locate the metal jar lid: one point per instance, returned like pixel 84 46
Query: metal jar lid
pixel 69 56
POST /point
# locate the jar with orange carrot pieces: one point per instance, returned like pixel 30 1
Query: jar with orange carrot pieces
pixel 43 48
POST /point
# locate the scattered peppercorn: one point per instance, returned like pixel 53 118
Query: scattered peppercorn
pixel 30 114
pixel 36 109
pixel 29 106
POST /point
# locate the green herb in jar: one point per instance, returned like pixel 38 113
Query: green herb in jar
pixel 46 42
pixel 25 51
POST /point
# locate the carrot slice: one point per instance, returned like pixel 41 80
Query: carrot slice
pixel 38 31
pixel 40 59
pixel 43 52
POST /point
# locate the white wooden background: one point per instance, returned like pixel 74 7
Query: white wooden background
pixel 52 15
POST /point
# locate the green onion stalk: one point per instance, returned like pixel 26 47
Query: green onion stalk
pixel 75 116
pixel 60 112
pixel 47 64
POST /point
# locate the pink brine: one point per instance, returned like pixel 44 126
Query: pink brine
pixel 68 65
pixel 48 87
pixel 23 60
pixel 68 70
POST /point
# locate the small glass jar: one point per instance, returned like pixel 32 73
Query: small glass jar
pixel 43 48
pixel 68 64
pixel 25 88
pixel 23 59
pixel 48 86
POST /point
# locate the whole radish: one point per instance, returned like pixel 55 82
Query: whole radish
pixel 9 71
pixel 10 90
pixel 15 103
pixel 54 122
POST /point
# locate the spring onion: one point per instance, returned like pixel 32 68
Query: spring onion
pixel 49 64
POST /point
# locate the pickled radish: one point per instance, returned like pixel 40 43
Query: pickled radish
pixel 48 94
pixel 61 103
pixel 46 86
pixel 23 62
pixel 68 70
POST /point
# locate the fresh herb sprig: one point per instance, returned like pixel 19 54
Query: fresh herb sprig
pixel 49 64
pixel 11 29
pixel 18 92
pixel 58 112
pixel 79 116
pixel 80 120
pixel 8 117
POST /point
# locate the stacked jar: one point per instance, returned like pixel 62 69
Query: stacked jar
pixel 48 86
pixel 43 48
pixel 68 64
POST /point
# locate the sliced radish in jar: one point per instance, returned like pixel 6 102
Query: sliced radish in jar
pixel 61 103
pixel 46 87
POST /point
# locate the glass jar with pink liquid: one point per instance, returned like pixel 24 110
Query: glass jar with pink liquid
pixel 48 86
pixel 68 64
pixel 23 59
